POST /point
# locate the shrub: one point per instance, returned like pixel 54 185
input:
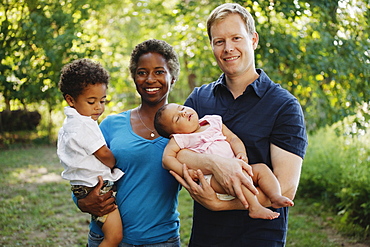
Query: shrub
pixel 336 172
pixel 354 195
pixel 19 120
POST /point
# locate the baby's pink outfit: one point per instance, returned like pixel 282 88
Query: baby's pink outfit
pixel 210 141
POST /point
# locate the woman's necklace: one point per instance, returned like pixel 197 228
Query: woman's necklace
pixel 152 131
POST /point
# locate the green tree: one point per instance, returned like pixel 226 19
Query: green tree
pixel 37 39
pixel 318 50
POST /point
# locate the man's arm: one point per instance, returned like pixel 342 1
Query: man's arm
pixel 287 168
pixel 204 194
pixel 227 171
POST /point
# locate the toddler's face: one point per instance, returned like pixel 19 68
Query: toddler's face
pixel 91 102
pixel 180 119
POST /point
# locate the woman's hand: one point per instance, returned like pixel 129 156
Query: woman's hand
pixel 97 204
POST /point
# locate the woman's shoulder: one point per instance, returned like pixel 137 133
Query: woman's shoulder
pixel 120 115
pixel 113 118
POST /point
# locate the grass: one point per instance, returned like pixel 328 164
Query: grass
pixel 36 206
pixel 37 210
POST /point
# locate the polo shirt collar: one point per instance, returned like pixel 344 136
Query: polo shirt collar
pixel 258 86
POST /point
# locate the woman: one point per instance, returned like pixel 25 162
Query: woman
pixel 147 194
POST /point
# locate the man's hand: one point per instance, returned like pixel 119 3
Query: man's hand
pixel 97 204
pixel 229 173
pixel 202 193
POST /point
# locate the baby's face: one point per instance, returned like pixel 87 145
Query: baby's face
pixel 180 119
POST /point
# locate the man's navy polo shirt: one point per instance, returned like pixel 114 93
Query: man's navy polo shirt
pixel 265 113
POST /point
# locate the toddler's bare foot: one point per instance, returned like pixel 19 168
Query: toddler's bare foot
pixel 263 213
pixel 281 201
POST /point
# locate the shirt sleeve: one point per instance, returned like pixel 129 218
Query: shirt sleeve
pixel 289 132
pixel 90 138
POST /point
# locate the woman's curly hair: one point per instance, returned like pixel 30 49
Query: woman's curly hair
pixel 77 75
pixel 158 46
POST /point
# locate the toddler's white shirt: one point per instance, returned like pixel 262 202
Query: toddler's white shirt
pixel 78 140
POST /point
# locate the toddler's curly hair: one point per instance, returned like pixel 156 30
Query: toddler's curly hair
pixel 77 75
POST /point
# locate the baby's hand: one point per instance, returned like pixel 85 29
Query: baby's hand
pixel 193 174
pixel 242 156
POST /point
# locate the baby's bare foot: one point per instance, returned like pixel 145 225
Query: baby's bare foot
pixel 281 201
pixel 263 213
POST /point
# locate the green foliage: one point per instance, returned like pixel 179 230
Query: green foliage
pixel 19 120
pixel 336 172
pixel 318 50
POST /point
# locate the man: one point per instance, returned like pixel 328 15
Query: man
pixel 267 118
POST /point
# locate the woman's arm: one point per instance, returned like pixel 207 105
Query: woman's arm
pixel 97 204
pixel 106 156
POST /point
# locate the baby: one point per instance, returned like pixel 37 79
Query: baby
pixel 210 135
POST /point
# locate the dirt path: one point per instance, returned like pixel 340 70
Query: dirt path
pixel 337 238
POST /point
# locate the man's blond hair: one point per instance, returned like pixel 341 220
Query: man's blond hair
pixel 222 11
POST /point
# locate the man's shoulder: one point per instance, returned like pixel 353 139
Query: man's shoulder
pixel 273 89
pixel 207 87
